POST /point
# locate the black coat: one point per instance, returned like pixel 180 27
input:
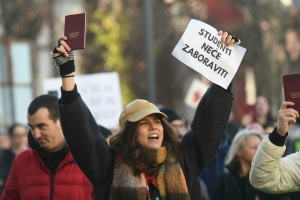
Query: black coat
pixel 96 159
pixel 233 187
pixel 6 160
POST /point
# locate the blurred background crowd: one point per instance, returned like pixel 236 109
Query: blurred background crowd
pixel 135 39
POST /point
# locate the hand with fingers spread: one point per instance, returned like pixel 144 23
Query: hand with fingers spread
pixel 286 117
pixel 228 39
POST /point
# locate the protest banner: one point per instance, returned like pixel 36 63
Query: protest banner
pixel 100 91
pixel 200 48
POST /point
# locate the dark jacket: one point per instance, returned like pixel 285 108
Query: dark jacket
pixel 233 187
pixel 96 158
pixel 214 170
pixel 6 161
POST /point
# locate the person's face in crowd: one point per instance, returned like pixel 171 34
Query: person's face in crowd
pixel 256 126
pixel 292 44
pixel 262 106
pixel 19 137
pixel 178 126
pixel 150 132
pixel 4 142
pixel 247 152
pixel 45 131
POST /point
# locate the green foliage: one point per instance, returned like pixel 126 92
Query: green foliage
pixel 111 33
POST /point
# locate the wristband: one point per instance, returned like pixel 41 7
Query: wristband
pixel 67 76
pixel 66 68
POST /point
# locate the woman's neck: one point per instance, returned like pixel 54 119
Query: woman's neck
pixel 244 168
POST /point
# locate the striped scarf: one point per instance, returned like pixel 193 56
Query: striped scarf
pixel 170 180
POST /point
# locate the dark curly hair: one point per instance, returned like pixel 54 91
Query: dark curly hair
pixel 124 143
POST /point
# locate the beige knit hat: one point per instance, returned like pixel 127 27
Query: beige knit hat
pixel 137 110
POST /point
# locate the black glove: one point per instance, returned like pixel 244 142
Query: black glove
pixel 236 40
pixel 66 65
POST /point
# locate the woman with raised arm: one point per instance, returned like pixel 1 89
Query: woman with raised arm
pixel 270 171
pixel 145 160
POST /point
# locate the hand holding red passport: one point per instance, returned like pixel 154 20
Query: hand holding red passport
pixel 291 86
pixel 75 30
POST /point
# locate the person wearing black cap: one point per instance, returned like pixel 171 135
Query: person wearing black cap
pixel 175 120
pixel 145 160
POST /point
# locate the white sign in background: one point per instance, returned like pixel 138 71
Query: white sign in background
pixel 200 48
pixel 195 93
pixel 100 91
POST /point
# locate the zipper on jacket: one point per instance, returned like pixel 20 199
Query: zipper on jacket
pixel 51 186
pixel 59 167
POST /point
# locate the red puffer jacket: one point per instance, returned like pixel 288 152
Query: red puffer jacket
pixel 30 179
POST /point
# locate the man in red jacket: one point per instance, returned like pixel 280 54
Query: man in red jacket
pixel 47 169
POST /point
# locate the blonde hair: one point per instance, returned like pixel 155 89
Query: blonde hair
pixel 238 142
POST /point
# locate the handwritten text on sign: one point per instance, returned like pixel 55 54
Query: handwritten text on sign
pixel 201 49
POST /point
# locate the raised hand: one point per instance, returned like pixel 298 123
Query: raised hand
pixel 228 39
pixel 286 117
pixel 63 46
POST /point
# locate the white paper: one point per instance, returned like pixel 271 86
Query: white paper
pixel 200 48
pixel 100 91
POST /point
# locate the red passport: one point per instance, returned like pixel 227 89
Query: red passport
pixel 75 27
pixel 291 86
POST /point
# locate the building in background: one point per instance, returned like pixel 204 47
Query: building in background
pixel 24 59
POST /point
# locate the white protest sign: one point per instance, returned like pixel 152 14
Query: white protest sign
pixel 100 91
pixel 195 93
pixel 201 49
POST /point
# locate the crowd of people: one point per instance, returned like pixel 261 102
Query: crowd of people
pixel 227 176
pixel 62 153
pixel 12 144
